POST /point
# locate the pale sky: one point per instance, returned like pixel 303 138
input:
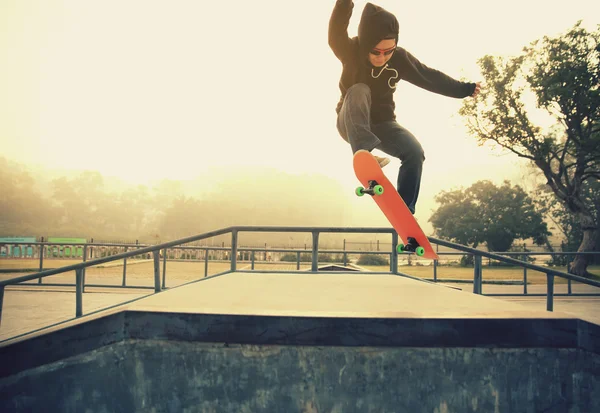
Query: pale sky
pixel 146 90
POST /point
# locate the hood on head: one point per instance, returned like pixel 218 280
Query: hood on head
pixel 376 24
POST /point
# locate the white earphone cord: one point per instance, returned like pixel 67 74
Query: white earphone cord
pixel 390 79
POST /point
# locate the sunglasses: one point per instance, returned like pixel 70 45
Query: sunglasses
pixel 385 52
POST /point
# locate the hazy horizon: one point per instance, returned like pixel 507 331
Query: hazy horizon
pixel 142 92
pixel 172 209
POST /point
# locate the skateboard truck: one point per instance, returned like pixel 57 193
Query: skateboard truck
pixel 411 246
pixel 373 189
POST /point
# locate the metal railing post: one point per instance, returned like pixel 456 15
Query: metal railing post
pixel 394 255
pixel 84 260
pixel 298 260
pixel 525 276
pixel 1 301
pixel 156 257
pixel 234 247
pixel 164 278
pixel 435 265
pixel 315 251
pixel 124 283
pixel 252 260
pixel 477 273
pixel 550 293
pixel 41 258
pixel 206 263
pixel 79 292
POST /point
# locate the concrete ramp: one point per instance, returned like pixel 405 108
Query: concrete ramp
pixel 332 295
pixel 308 343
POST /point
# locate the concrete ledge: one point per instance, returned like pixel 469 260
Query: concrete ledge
pixel 310 343
pixel 588 336
pixel 308 310
pixel 179 376
pixel 61 343
pixel 344 331
pixel 80 338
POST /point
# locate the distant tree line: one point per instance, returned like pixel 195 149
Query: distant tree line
pixel 86 206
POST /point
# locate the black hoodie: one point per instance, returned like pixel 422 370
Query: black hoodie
pixel 375 25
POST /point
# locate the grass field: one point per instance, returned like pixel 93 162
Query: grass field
pixel 141 273
pixel 489 273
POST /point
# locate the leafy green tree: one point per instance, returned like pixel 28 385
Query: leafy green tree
pixel 561 77
pixel 485 213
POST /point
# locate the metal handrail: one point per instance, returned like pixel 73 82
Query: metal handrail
pixel 154 249
pixel 550 273
pixel 513 261
pixel 116 257
pixel 315 231
pixel 529 253
pixel 224 231
pixel 73 244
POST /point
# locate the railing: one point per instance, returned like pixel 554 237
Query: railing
pixel 315 231
pixel 524 255
pixel 155 251
pixel 191 254
pixel 550 273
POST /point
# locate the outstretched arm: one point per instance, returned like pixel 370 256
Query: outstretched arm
pixel 433 80
pixel 338 29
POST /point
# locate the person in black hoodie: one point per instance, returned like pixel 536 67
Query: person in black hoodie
pixel 372 66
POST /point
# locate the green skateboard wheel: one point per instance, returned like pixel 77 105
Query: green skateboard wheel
pixel 359 191
pixel 420 251
pixel 378 190
pixel 400 248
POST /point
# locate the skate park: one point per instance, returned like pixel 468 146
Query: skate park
pixel 312 339
pixel 182 229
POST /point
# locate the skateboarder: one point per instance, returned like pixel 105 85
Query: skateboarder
pixel 373 64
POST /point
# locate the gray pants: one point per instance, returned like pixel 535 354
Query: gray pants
pixel 355 127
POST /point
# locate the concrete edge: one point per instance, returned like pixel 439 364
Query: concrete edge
pixel 297 331
pixel 61 343
pixel 588 336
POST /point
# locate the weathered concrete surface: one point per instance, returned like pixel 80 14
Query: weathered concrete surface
pixel 172 376
pixel 357 295
pixel 308 343
pixel 332 295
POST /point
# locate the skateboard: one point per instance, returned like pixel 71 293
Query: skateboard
pixel 376 184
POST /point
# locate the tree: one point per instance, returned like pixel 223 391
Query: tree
pixel 85 207
pixel 182 217
pixel 485 213
pixel 24 210
pixel 562 76
pixel 566 222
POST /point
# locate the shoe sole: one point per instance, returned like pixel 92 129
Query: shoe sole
pixel 384 162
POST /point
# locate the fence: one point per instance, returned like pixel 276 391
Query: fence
pixel 233 253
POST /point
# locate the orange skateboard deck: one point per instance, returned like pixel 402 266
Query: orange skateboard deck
pixel 375 183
